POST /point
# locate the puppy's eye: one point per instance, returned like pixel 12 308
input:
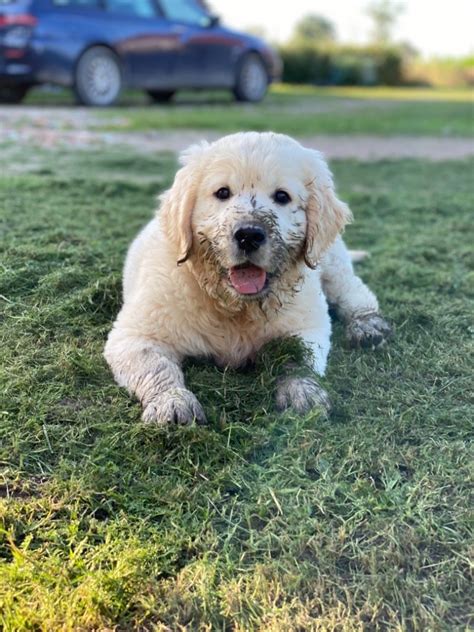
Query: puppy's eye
pixel 223 193
pixel 281 197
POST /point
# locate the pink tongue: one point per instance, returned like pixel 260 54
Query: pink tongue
pixel 248 280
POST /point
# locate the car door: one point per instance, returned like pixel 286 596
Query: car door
pixel 135 29
pixel 206 54
pixel 144 40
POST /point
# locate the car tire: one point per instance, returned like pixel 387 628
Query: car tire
pixel 98 78
pixel 161 96
pixel 13 94
pixel 251 80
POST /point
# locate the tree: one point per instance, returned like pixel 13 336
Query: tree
pixel 384 14
pixel 314 29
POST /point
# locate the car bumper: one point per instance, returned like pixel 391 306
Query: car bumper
pixel 15 67
pixel 16 74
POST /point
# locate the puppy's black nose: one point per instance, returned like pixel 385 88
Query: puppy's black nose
pixel 250 238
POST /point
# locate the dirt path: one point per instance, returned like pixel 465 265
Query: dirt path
pixel 78 128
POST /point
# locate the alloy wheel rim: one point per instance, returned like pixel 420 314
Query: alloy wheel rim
pixel 254 80
pixel 102 80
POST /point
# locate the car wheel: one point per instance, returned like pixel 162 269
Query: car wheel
pixel 161 96
pixel 98 78
pixel 251 80
pixel 13 94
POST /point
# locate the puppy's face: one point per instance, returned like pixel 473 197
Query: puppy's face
pixel 258 206
pixel 249 219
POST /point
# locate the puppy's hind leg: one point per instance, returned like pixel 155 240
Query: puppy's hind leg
pixel 355 304
pixel 151 371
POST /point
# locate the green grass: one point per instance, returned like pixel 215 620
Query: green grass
pixel 299 110
pixel 259 521
pixel 462 95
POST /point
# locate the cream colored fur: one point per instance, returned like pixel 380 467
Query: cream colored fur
pixel 178 301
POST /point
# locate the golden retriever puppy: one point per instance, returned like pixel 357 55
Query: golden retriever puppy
pixel 245 248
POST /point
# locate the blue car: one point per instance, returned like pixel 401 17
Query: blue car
pixel 99 47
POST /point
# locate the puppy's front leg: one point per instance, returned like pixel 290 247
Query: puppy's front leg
pixel 151 371
pixel 298 389
pixel 354 302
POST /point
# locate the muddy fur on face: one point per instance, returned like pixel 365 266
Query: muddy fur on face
pixel 216 252
pixel 245 248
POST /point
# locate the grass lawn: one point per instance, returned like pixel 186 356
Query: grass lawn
pixel 297 110
pixel 258 521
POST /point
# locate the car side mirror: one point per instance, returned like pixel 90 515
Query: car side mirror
pixel 214 20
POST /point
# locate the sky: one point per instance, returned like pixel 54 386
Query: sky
pixel 434 27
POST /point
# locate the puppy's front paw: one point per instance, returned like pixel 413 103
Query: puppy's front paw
pixel 301 394
pixel 368 331
pixel 176 406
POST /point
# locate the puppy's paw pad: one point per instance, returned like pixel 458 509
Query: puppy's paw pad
pixel 368 331
pixel 301 394
pixel 177 406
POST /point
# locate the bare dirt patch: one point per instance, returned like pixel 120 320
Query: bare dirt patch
pixel 77 128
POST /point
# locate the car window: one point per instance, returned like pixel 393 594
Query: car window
pixel 86 4
pixel 187 11
pixel 137 8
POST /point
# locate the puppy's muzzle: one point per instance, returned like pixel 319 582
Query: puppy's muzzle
pixel 250 238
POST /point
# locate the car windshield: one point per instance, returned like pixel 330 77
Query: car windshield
pixel 189 11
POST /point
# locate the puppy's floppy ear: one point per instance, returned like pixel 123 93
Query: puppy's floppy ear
pixel 326 215
pixel 177 203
